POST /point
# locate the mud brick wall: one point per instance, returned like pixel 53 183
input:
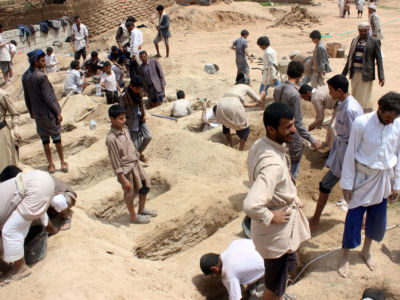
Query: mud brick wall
pixel 98 15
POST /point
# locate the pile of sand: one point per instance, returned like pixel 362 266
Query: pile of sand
pixel 298 16
pixel 196 18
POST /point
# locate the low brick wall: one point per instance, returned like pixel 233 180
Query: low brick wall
pixel 39 39
pixel 98 15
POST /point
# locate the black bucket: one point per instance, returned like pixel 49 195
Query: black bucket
pixel 35 244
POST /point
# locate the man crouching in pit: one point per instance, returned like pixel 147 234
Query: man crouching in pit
pixel 278 225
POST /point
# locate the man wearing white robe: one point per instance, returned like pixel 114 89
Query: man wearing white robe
pixel 370 176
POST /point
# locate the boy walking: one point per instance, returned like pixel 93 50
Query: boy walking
pixel 320 62
pixel 125 162
pixel 240 47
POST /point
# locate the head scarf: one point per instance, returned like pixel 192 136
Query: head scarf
pixel 33 57
pixel 363 25
pixel 372 6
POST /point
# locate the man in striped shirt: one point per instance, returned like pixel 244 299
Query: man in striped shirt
pixel 364 51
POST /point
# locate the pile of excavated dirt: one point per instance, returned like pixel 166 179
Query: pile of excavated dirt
pixel 297 16
pixel 211 18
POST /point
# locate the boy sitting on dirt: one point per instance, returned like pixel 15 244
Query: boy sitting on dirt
pixel 125 162
pixel 181 106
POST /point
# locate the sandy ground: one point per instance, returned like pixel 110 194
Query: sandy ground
pixel 198 182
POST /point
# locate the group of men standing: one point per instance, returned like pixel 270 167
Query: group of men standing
pixel 364 157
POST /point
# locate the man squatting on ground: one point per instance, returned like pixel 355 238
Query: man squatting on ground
pixel 239 264
pixel 278 225
pixel 74 81
pixel 43 106
pixel 63 199
pixel 23 199
pixel 370 176
pixel 287 93
pixel 348 110
pixel 363 53
pixel 125 162
pixel 321 100
pixel 231 113
pixel 240 47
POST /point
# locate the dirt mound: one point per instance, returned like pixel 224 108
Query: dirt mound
pixel 298 16
pixel 198 18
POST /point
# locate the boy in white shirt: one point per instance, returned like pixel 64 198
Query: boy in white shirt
pixel 270 74
pixel 51 61
pixel 74 81
pixel 181 106
pixel 12 48
pixel 80 38
pixel 108 81
pixel 208 118
pixel 240 264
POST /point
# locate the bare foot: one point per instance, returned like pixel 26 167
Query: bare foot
pixel 369 260
pixel 16 274
pixel 143 158
pixel 314 223
pixel 51 169
pixel 343 266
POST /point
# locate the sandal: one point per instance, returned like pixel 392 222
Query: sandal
pixel 289 297
pixel 150 212
pixel 16 277
pixel 141 219
pixel 65 224
pixel 65 170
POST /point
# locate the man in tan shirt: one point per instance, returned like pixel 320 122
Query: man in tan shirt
pixel 8 154
pixel 321 100
pixel 278 225
pixel 125 162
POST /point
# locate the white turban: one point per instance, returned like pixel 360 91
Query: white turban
pixel 372 6
pixel 363 25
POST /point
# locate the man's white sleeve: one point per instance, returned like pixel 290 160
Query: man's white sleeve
pixel 349 162
pixel 396 181
pixel 233 287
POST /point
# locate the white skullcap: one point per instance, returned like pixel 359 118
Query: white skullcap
pixel 363 25
pixel 372 6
